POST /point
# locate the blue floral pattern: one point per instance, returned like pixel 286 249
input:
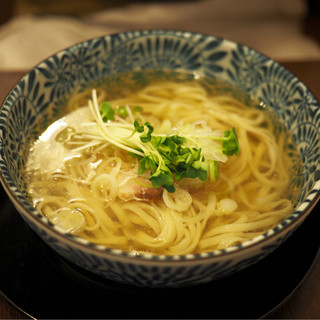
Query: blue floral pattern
pixel 59 75
pixel 247 68
pixel 41 93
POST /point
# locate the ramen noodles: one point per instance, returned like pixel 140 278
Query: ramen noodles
pixel 170 168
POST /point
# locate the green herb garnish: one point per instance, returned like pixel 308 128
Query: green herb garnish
pixel 106 111
pixel 188 152
pixel 122 112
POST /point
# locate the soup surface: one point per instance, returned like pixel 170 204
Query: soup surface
pixel 170 167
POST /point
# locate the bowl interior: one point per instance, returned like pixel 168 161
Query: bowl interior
pixel 41 95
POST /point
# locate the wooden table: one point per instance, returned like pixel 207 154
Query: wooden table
pixel 305 302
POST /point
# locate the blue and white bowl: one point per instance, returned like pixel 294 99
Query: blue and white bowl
pixel 42 92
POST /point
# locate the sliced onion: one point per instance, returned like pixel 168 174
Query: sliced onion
pixel 180 200
pixel 227 206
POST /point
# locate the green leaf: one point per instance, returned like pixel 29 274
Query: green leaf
pixel 106 111
pixel 147 163
pixel 137 127
pixel 162 178
pixel 192 172
pixel 170 188
pixel 137 109
pixel 135 155
pixel 142 166
pixel 202 175
pixel 146 136
pixel 178 140
pixel 122 112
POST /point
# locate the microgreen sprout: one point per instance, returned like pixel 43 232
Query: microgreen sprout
pixel 167 157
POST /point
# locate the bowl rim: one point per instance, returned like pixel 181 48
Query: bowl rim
pixel 295 218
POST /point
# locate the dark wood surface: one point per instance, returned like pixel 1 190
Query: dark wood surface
pixel 305 301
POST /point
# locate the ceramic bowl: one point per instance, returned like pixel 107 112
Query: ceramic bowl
pixel 42 92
